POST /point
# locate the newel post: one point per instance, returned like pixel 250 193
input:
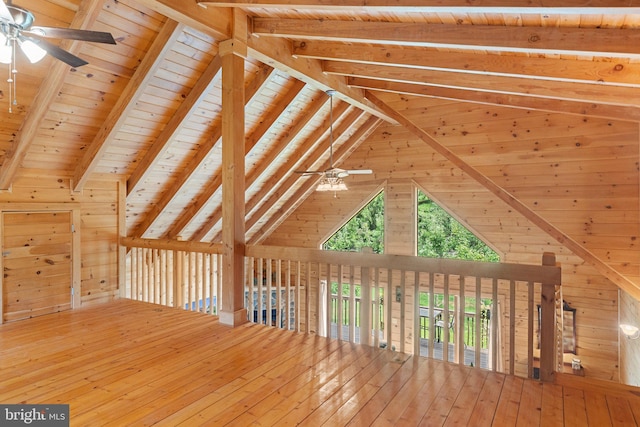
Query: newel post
pixel 548 338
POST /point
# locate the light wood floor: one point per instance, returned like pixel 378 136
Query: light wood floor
pixel 130 363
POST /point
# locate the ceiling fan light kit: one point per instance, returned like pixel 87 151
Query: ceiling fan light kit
pixel 16 31
pixel 331 179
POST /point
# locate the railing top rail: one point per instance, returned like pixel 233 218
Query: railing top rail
pixel 502 271
pixel 172 245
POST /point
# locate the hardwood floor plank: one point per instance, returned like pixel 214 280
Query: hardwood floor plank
pixel 315 409
pixel 249 390
pixel 400 402
pixel 360 397
pixel 422 401
pixel 378 403
pixel 597 409
pixel 509 402
pixel 552 410
pixel 488 398
pixel 131 363
pixel 575 410
pixel 460 413
pixel 620 411
pixel 440 407
pixel 530 404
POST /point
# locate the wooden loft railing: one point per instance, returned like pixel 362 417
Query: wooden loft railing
pixel 299 289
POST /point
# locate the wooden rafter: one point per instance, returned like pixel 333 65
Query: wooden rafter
pixel 569 91
pixel 547 68
pixel 313 155
pixel 559 40
pixel 260 169
pixel 214 137
pixel 300 195
pixel 250 142
pixel 300 158
pixel 612 274
pixel 135 88
pixel 85 17
pixel 203 86
pixel 611 112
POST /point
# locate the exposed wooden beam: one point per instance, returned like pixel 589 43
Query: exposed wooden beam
pixel 196 207
pixel 560 40
pixel 586 92
pixel 192 166
pixel 310 155
pixel 126 103
pixel 304 157
pixel 454 6
pixel 564 239
pixel 215 22
pixel 611 112
pixel 86 16
pixel 202 88
pixel 303 192
pixel 614 71
pixel 262 166
pixel 232 311
pixel 277 53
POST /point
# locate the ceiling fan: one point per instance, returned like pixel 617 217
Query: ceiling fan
pixel 16 27
pixel 332 177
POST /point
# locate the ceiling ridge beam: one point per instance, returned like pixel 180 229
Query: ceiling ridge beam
pixel 588 92
pixel 159 147
pixel 580 108
pixel 216 181
pixel 621 73
pixel 126 103
pixel 564 239
pixel 262 76
pixel 307 188
pixel 607 42
pixel 50 87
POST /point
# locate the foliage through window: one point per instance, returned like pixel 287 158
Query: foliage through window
pixel 441 236
pixel 365 229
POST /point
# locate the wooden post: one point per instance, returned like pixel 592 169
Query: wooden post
pixel 547 325
pixel 232 310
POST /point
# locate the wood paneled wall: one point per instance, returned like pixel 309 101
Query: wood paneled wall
pixel 553 154
pixel 98 211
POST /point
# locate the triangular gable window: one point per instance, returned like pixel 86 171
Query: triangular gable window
pixel 364 229
pixel 441 236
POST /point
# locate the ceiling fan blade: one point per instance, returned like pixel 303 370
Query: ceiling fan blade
pixel 58 52
pixel 72 34
pixel 307 173
pixel 359 172
pixel 5 14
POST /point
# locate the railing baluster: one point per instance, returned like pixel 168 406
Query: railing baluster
pixel 403 310
pixel 445 321
pixel 478 322
pixel 352 306
pixel 432 327
pixel 512 326
pixel 416 313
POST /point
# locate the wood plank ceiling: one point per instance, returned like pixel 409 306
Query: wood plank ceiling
pixel 149 108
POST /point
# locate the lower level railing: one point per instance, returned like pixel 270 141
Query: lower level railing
pixel 481 314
